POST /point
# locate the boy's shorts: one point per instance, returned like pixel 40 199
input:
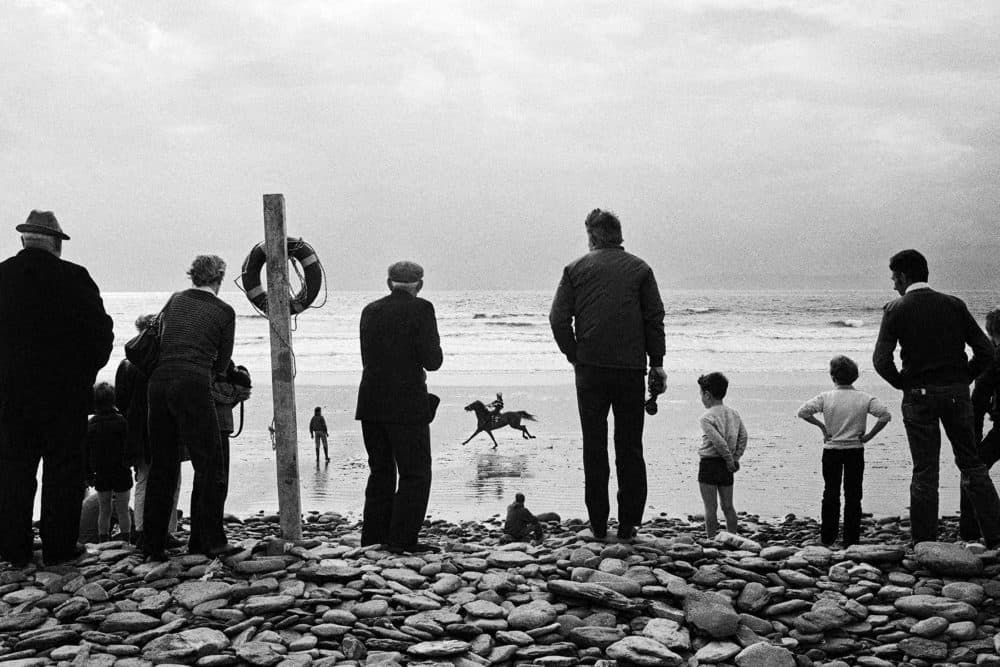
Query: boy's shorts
pixel 712 470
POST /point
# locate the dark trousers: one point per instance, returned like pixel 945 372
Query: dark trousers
pixel 393 514
pixel 989 453
pixel 181 411
pixel 597 391
pixel 27 437
pixel 847 465
pixel 951 407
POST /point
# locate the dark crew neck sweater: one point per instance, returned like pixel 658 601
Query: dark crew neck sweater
pixel 198 332
pixel 932 330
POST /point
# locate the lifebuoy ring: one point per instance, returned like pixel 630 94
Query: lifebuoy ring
pixel 301 252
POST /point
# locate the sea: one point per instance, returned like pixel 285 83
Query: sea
pixel 500 332
pixel 774 345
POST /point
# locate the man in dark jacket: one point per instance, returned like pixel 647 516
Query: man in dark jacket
pixel 54 337
pixel 932 330
pixel 399 343
pixel 607 318
pixel 985 401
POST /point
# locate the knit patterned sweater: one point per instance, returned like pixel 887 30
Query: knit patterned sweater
pixel 198 333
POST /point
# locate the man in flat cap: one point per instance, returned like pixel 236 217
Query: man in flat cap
pixel 54 337
pixel 399 344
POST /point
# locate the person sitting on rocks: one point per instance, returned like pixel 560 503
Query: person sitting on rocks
pixel 521 524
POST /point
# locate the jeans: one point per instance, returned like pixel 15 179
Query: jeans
pixel 181 410
pixel 393 514
pixel 598 390
pixel 989 453
pixel 320 438
pixel 923 409
pixel 847 465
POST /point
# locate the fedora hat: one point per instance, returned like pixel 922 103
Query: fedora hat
pixel 42 222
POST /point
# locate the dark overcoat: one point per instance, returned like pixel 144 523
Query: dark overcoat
pixel 54 334
pixel 399 342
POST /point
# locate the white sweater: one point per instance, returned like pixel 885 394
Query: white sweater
pixel 845 414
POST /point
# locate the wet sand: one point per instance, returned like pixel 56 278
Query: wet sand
pixel 780 474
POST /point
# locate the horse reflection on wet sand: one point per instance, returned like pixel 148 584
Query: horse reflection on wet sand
pixel 487 421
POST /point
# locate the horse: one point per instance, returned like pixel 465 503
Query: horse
pixel 486 421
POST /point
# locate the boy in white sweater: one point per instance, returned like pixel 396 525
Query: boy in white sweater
pixel 845 414
pixel 724 439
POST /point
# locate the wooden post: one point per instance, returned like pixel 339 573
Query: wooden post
pixel 282 380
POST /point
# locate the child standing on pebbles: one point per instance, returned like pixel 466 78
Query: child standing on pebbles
pixel 724 439
pixel 845 415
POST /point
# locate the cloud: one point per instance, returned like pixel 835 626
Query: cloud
pixel 422 129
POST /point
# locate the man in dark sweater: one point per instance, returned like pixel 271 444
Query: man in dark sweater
pixel 54 337
pixel 607 318
pixel 932 330
pixel 399 344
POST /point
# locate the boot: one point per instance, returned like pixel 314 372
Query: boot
pixel 103 537
pixel 136 538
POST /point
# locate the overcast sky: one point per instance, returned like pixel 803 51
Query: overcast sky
pixel 750 143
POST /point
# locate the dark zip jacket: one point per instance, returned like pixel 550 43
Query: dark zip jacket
pixel 607 311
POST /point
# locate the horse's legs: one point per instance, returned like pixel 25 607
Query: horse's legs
pixel 478 431
pixel 524 432
pixel 490 433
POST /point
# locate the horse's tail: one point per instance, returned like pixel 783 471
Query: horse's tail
pixel 526 416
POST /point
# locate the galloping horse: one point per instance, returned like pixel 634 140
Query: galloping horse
pixel 486 421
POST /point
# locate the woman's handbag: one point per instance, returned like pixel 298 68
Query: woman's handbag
pixel 144 350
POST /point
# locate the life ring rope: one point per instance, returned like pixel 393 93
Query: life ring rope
pixel 312 277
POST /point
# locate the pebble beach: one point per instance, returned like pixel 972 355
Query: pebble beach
pixel 769 597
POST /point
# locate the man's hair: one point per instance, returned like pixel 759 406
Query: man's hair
pixel 603 228
pixel 412 288
pixel 912 263
pixel 843 370
pixel 43 241
pixel 207 269
pixel 143 321
pixel 104 396
pixel 715 384
pixel 518 497
pixel 993 322
pixel 318 409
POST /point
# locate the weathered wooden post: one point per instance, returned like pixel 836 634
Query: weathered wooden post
pixel 282 380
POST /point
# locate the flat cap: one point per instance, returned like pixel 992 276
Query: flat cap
pixel 406 272
pixel 42 222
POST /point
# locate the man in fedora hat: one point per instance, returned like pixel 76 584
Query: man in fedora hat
pixel 54 337
pixel 399 343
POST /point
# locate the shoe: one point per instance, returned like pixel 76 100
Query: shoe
pixel 415 548
pixel 172 542
pixel 226 549
pixel 63 558
pixel 103 538
pixel 156 556
pixel 135 538
pixel 626 532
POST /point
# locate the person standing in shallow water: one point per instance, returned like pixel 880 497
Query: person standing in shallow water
pixel 54 337
pixel 318 432
pixel 607 318
pixel 932 330
pixel 399 344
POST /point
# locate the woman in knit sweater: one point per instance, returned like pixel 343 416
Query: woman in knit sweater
pixel 195 344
